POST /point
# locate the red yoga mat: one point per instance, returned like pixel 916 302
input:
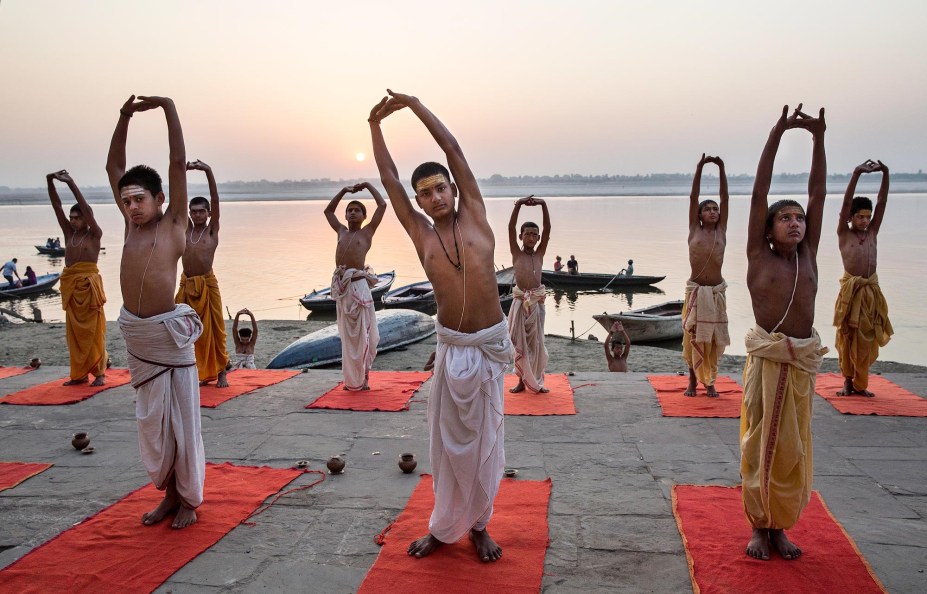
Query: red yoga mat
pixel 242 381
pixel 6 372
pixel 518 525
pixel 670 388
pixel 53 392
pixel 13 473
pixel 389 391
pixel 890 400
pixel 113 552
pixel 559 401
pixel 715 533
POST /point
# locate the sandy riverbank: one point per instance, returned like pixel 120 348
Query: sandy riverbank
pixel 21 342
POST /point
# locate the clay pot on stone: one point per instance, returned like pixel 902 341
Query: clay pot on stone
pixel 407 463
pixel 335 464
pixel 80 441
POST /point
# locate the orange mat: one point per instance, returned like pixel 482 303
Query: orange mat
pixel 13 473
pixel 559 401
pixel 715 532
pixel 242 381
pixel 113 552
pixel 53 392
pixel 890 400
pixel 670 388
pixel 6 372
pixel 518 525
pixel 389 391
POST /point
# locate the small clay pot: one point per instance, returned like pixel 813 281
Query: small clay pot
pixel 335 464
pixel 510 472
pixel 80 441
pixel 302 464
pixel 35 363
pixel 407 462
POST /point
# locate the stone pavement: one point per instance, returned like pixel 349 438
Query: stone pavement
pixel 612 466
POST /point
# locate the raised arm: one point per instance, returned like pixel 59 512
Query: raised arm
pixel 817 180
pixel 847 205
pixel 513 226
pixel 756 225
pixel 254 326
pixel 177 165
pixel 235 327
pixel 545 232
pixel 411 220
pixel 56 203
pixel 85 209
pixel 882 200
pixel 722 192
pixel 333 204
pixel 695 193
pixel 627 341
pixel 377 217
pixel 116 159
pixel 213 191
pixel 607 344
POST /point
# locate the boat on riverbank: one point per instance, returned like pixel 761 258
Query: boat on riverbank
pixel 321 300
pixel 648 324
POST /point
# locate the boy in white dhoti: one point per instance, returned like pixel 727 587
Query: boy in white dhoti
pixel 526 318
pixel 159 335
pixel 465 412
pixel 351 283
pixel 245 340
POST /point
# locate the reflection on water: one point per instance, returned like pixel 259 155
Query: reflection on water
pixel 624 294
pixel 48 303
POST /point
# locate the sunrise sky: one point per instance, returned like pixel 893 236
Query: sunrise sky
pixel 281 90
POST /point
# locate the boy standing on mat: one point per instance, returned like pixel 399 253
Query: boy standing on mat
pixel 465 415
pixel 351 283
pixel 526 318
pixel 159 335
pixel 199 287
pixel 704 316
pixel 784 351
pixel 861 313
pixel 82 295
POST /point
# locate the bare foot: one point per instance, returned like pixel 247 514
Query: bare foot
pixel 486 548
pixel 543 391
pixel 82 380
pixel 221 382
pixel 204 383
pixel 424 546
pixel 100 380
pixel 847 387
pixel 758 547
pixel 783 545
pixel 690 389
pixel 167 505
pixel 519 388
pixel 430 364
pixel 865 393
pixel 186 516
pixel 712 393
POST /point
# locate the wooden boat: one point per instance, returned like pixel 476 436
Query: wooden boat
pixel 419 296
pixel 322 300
pixel 57 252
pixel 596 280
pixel 505 278
pixel 648 324
pixel 42 283
pixel 398 327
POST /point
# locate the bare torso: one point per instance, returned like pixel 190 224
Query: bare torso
pixel 770 279
pixel 706 255
pixel 352 248
pixel 200 250
pixel 148 272
pixel 527 269
pixel 858 251
pixel 81 246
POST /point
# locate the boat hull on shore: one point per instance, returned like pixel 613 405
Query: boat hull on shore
pixel 321 300
pixel 596 280
pixel 648 324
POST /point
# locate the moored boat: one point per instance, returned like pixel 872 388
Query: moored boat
pixel 419 296
pixel 321 300
pixel 597 280
pixel 57 252
pixel 648 324
pixel 42 283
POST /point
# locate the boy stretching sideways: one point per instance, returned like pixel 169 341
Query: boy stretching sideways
pixel 526 318
pixel 159 335
pixel 704 316
pixel 82 296
pixel 861 313
pixel 351 283
pixel 784 351
pixel 465 415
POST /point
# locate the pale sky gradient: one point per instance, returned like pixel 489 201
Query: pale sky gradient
pixel 281 90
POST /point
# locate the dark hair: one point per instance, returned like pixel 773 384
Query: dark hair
pixel 776 207
pixel 427 170
pixel 200 200
pixel 860 203
pixel 76 208
pixel 529 224
pixel 144 176
pixel 244 332
pixel 703 204
pixel 359 204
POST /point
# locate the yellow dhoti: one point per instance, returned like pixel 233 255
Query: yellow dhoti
pixel 202 294
pixel 775 426
pixel 861 318
pixel 704 325
pixel 82 299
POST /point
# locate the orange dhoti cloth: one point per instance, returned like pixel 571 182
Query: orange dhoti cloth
pixel 775 426
pixel 202 294
pixel 861 318
pixel 82 299
pixel 704 329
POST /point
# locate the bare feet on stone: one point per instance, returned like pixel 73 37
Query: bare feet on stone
pixel 424 546
pixel 99 381
pixel 783 545
pixel 849 390
pixel 185 517
pixel 221 382
pixel 170 503
pixel 519 388
pixel 76 382
pixel 758 547
pixel 486 548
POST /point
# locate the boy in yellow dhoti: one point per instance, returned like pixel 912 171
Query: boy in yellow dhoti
pixel 199 287
pixel 784 351
pixel 704 315
pixel 861 314
pixel 82 295
pixel 526 318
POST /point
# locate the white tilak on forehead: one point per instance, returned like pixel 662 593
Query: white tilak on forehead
pixel 130 191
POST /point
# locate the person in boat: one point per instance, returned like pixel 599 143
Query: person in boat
pixel 49 243
pixel 351 284
pixel 629 271
pixel 784 351
pixel 30 279
pixel 9 269
pixel 245 340
pixel 199 287
pixel 861 312
pixel 704 312
pixel 617 351
pixel 465 408
pixel 82 295
pixel 159 334
pixel 526 318
pixel 558 264
pixel 572 265
pixel 57 243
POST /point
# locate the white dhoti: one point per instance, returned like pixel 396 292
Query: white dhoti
pixel 162 362
pixel 357 323
pixel 244 361
pixel 526 331
pixel 465 416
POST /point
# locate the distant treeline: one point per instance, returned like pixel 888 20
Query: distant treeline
pixel 669 178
